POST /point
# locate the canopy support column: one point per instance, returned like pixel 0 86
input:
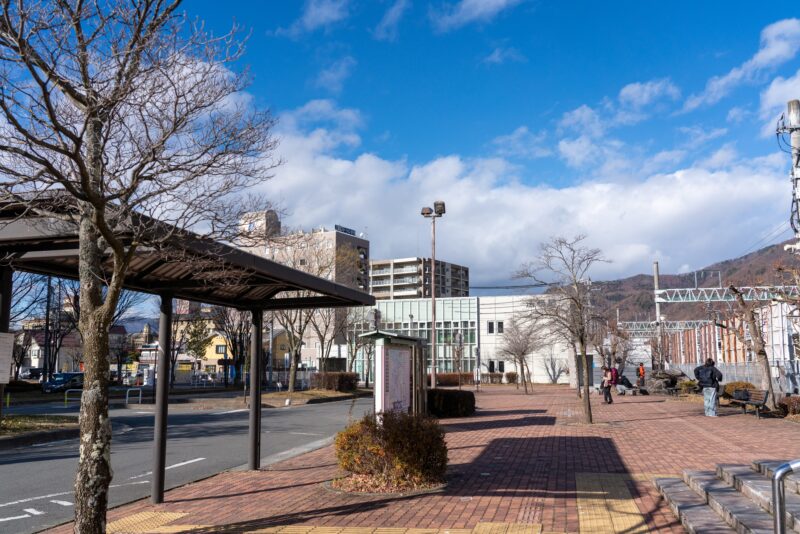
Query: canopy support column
pixel 162 399
pixel 256 345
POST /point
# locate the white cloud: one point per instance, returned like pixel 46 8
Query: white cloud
pixel 736 115
pixel 495 221
pixel 386 30
pixel 774 99
pixel 780 43
pixel 333 77
pixel 502 55
pixel 464 12
pixel 317 14
pixel 324 124
pixel 640 94
pixel 720 158
pixel 522 143
pixel 697 135
pixel 583 120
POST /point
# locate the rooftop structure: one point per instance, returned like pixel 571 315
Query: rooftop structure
pixel 410 278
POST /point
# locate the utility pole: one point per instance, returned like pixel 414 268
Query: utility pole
pixel 659 345
pixel 47 372
pixel 793 129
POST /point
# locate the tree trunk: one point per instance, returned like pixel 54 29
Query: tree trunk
pixel 94 463
pixel 293 371
pixel 575 360
pixel 587 405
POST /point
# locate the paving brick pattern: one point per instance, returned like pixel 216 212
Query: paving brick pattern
pixel 522 464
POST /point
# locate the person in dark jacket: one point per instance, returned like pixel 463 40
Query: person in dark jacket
pixel 708 378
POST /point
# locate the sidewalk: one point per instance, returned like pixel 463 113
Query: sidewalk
pixel 522 464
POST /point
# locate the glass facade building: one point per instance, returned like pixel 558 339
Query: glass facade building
pixel 412 317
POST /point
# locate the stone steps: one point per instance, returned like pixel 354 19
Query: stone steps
pixel 733 498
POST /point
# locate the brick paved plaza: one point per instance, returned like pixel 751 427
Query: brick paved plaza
pixel 522 464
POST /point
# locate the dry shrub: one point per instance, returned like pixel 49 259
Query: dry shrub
pixel 451 379
pixel 492 378
pixel 790 406
pixel 511 377
pixel 445 403
pixel 401 451
pixel 687 386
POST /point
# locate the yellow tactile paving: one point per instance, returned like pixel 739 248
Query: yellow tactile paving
pixel 605 504
pixel 143 522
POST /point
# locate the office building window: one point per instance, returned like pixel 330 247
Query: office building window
pixel 501 367
pixel 490 327
pixel 220 349
pixel 499 327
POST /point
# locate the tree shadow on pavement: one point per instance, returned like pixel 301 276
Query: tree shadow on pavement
pixel 544 473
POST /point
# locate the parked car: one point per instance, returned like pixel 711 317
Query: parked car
pixel 63 382
pixel 33 373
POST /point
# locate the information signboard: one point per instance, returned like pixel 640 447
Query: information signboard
pixel 6 360
pixel 393 379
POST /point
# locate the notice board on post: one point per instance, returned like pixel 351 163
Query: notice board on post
pixel 6 352
pixel 392 378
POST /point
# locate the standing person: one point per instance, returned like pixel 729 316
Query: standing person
pixel 640 374
pixel 708 378
pixel 606 384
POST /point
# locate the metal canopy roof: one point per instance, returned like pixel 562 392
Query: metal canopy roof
pixel 190 267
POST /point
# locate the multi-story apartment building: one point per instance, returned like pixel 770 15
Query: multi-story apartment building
pixel 410 278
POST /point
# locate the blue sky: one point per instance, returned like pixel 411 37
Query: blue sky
pixel 645 125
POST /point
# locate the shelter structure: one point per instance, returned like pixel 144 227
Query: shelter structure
pixel 185 266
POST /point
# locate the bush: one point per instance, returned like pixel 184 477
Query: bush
pixel 687 386
pixel 730 387
pixel 401 450
pixel 790 405
pixel 451 403
pixel 511 377
pixel 491 378
pixel 335 381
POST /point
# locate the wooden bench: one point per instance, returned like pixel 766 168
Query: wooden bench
pixel 750 397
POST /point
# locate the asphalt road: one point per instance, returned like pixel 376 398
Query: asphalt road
pixel 36 481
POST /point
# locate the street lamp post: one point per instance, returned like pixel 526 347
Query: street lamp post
pixel 433 214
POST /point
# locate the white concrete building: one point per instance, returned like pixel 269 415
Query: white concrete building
pixel 548 363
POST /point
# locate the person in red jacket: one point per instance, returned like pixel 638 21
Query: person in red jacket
pixel 640 374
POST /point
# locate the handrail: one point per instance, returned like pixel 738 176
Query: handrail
pixel 68 391
pixel 127 393
pixel 779 494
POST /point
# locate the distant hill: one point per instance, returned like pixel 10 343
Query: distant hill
pixel 634 295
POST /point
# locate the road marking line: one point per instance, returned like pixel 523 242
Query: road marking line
pixel 187 462
pixel 51 443
pixel 59 494
pixel 147 413
pixel 232 411
pixel 304 434
pixel 33 511
pixel 61 503
pixel 13 518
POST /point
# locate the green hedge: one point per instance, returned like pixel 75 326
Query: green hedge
pixel 335 381
pixel 451 379
pixel 451 403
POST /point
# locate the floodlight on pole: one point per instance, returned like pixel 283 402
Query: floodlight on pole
pixel 432 214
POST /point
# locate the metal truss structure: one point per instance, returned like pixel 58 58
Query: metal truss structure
pixel 640 329
pixel 723 294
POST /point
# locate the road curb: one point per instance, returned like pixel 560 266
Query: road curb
pixel 59 434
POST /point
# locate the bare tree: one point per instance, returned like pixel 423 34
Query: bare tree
pixel 234 326
pixel 27 296
pixel 22 346
pixel 554 367
pixel 303 251
pixel 520 339
pixel 340 264
pixel 747 315
pixel 119 117
pixel 357 322
pixel 563 264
